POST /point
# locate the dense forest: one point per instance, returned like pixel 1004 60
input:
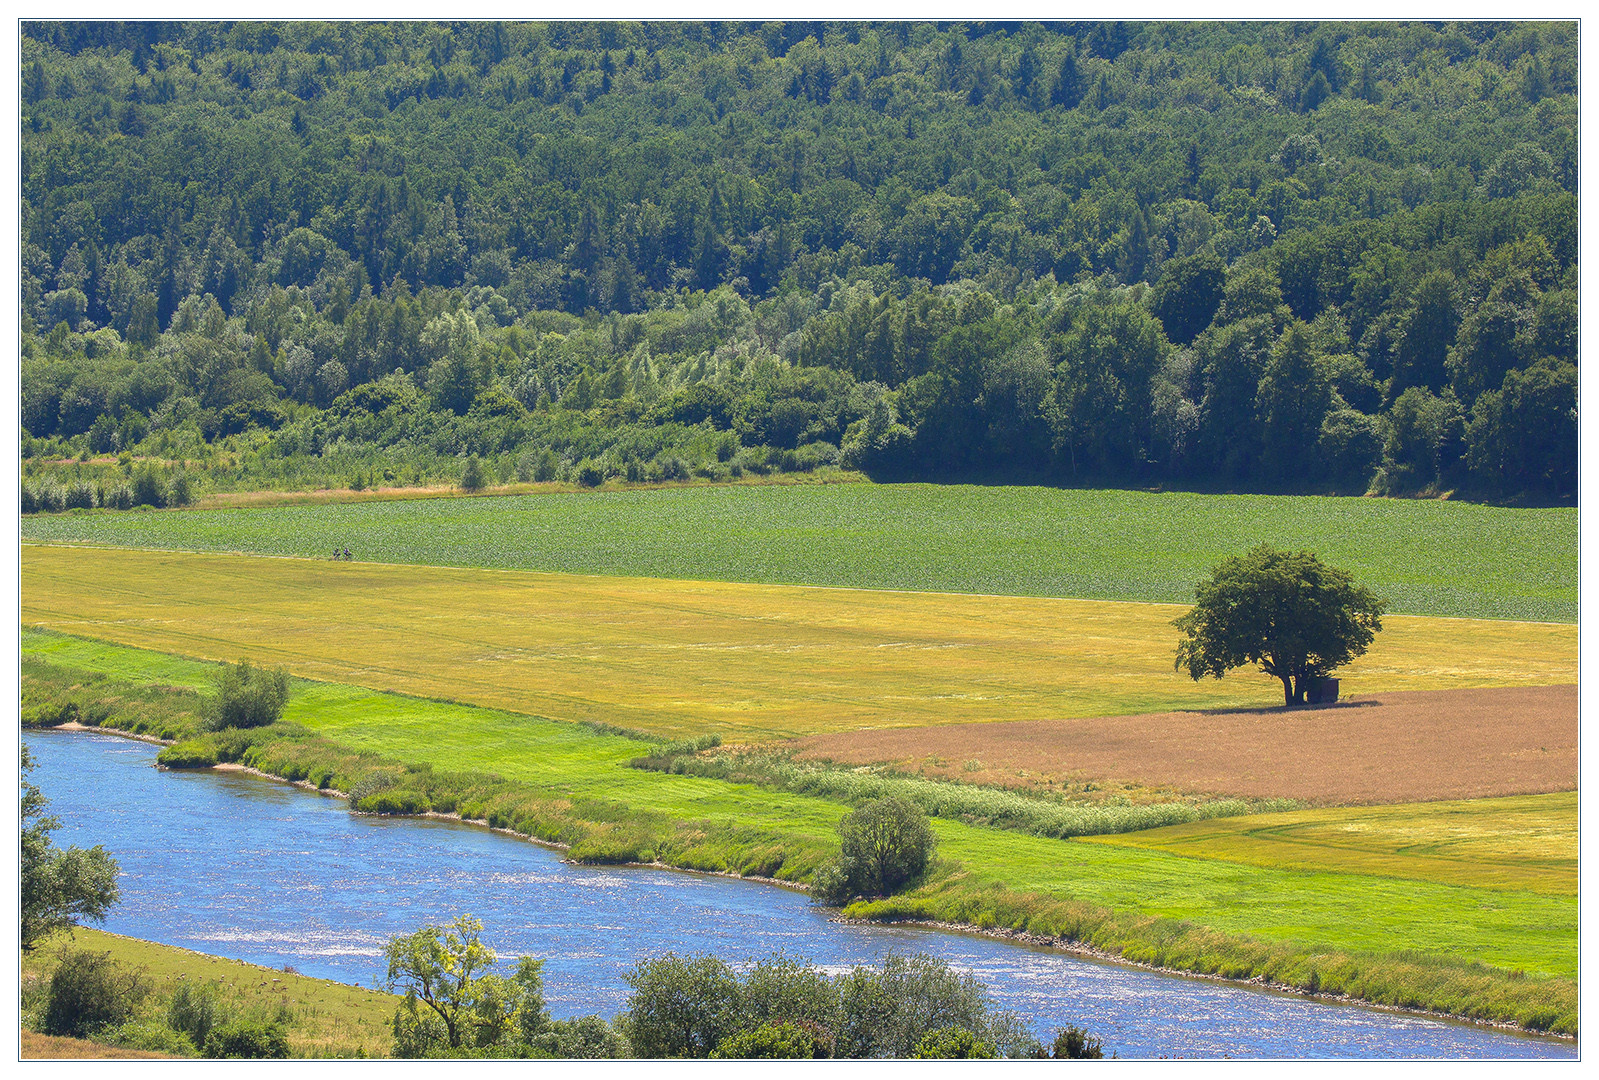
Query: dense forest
pixel 1272 256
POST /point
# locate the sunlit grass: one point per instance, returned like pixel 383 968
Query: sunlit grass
pixel 684 658
pixel 1424 556
pixel 1523 842
pixel 1311 910
pixel 327 1019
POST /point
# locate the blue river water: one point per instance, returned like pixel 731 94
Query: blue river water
pixel 251 869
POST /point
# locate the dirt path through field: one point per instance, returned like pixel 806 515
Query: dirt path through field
pixel 1398 747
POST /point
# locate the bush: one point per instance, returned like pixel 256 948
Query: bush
pixel 783 1040
pixel 89 992
pixel 953 1042
pixel 589 473
pixel 588 1038
pixel 832 883
pixel 80 495
pixel 681 1006
pixel 782 988
pixel 194 1011
pixel 50 714
pixel 148 490
pixel 391 802
pixel 152 1036
pixel 118 496
pixel 30 503
pixel 1074 1043
pixel 370 784
pixel 547 466
pixel 887 1012
pixel 232 743
pixel 473 477
pixel 49 497
pixel 188 754
pixel 181 491
pixel 246 697
pixel 247 1039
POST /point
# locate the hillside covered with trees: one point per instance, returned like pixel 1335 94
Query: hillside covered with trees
pixel 1293 257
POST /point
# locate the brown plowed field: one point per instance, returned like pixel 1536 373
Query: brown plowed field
pixel 1380 748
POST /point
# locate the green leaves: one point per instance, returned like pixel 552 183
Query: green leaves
pixel 57 886
pixel 1296 617
pixel 883 845
pixel 246 697
pixel 445 973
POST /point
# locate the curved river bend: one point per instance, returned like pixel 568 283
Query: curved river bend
pixel 260 871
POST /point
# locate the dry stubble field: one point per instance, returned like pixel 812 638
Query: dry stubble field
pixel 1377 748
pixel 751 662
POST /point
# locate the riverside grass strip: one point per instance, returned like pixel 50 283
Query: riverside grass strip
pixel 682 658
pixel 1523 842
pixel 328 1019
pixel 1403 978
pixel 1425 556
pixel 574 779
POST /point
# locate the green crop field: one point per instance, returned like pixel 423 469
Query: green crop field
pixel 1425 557
pixel 1317 909
pixel 1522 842
pixel 685 658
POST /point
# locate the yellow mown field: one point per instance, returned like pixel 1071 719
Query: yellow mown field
pixel 687 657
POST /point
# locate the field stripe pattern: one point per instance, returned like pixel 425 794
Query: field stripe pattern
pixel 1426 557
pixel 680 657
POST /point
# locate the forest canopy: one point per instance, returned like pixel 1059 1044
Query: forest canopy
pixel 1276 256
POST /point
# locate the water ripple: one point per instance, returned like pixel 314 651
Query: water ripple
pixel 288 878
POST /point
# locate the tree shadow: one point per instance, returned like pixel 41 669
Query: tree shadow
pixel 1268 710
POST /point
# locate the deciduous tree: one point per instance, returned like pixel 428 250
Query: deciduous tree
pixel 1292 614
pixel 59 886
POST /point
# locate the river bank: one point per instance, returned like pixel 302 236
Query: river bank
pixel 1266 959
pixel 260 874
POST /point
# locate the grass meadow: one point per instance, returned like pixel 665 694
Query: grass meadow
pixel 1426 557
pixel 326 1019
pixel 685 658
pixel 1305 911
pixel 1526 842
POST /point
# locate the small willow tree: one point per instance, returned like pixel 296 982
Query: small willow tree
pixel 1292 614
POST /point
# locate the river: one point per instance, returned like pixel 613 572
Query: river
pixel 251 869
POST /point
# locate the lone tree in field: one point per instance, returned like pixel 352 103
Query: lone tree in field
pixel 1292 614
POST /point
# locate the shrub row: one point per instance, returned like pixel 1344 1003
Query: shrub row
pixel 782 1007
pixel 148 488
pixel 992 807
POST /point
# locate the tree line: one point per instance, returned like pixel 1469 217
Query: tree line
pixel 1290 256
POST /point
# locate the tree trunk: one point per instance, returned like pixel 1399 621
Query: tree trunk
pixel 1288 690
pixel 1301 688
